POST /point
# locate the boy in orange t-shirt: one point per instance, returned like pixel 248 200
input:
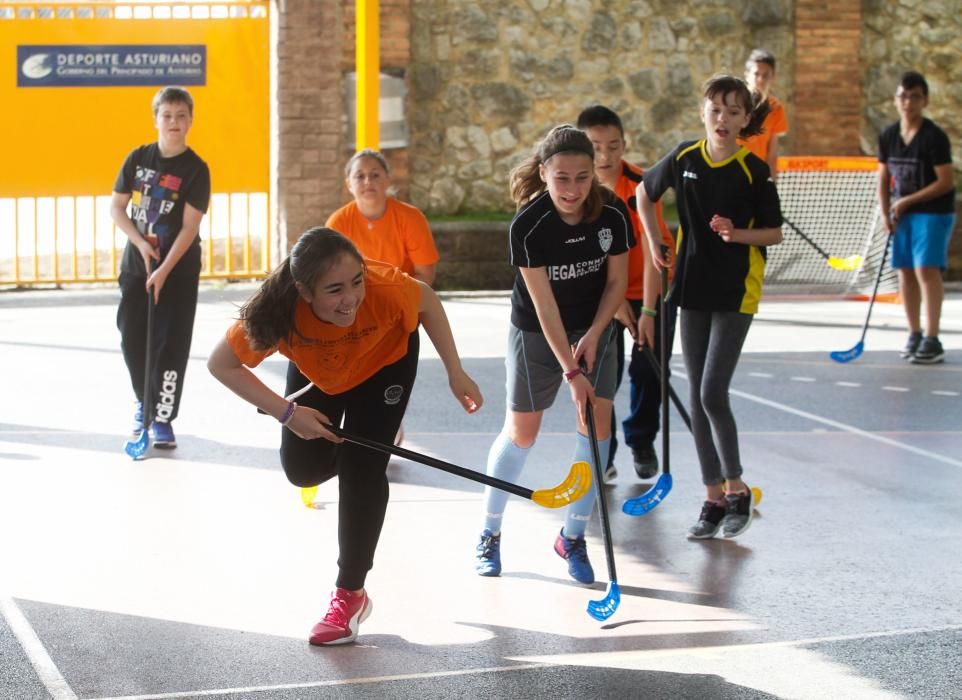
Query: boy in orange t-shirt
pixel 607 134
pixel 350 328
pixel 759 74
pixel 382 227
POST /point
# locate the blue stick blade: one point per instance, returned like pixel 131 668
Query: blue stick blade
pixel 848 355
pixel 649 499
pixel 603 609
pixel 136 449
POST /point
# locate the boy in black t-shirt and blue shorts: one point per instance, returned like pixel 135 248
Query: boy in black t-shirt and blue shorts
pixel 167 187
pixel 916 193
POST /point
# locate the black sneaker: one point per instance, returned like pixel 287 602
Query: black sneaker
pixel 708 522
pixel 738 514
pixel 930 352
pixel 611 471
pixel 646 461
pixel 911 345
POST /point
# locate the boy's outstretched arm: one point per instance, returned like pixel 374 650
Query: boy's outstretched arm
pixel 435 322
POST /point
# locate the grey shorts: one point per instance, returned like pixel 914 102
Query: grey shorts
pixel 534 374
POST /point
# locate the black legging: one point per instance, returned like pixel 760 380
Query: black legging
pixel 712 343
pixel 374 410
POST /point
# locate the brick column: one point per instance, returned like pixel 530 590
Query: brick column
pixel 828 94
pixel 308 105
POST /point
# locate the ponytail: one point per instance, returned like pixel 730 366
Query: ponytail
pixel 525 180
pixel 754 105
pixel 268 316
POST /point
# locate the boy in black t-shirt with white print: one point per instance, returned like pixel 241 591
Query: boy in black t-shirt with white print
pixel 167 187
pixel 916 191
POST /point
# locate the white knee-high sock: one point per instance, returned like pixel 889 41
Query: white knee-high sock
pixel 579 512
pixel 505 461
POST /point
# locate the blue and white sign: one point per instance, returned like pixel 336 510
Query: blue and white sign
pixel 84 65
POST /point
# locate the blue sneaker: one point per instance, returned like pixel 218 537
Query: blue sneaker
pixel 138 424
pixel 163 435
pixel 576 552
pixel 489 555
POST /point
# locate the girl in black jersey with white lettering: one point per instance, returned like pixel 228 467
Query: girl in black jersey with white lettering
pixel 729 212
pixel 569 241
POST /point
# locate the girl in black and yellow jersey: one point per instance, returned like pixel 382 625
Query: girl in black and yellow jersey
pixel 728 211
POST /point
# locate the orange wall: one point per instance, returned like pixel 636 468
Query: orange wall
pixel 62 141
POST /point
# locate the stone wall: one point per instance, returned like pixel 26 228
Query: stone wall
pixel 489 79
pixel 912 35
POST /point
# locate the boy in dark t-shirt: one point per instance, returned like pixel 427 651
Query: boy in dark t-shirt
pixel 168 189
pixel 916 193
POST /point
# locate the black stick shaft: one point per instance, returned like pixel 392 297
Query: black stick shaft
pixel 878 280
pixel 479 477
pixel 602 503
pixel 805 238
pixel 663 321
pixel 679 406
pixel 148 406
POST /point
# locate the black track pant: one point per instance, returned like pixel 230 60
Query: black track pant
pixel 173 328
pixel 374 410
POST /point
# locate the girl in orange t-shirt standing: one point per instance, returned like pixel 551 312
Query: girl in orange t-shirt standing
pixel 759 74
pixel 350 327
pixel 382 227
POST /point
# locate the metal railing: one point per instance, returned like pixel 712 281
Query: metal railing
pixel 64 240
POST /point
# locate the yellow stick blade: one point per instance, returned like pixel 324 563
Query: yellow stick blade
pixel 575 485
pixel 756 495
pixel 307 495
pixel 853 262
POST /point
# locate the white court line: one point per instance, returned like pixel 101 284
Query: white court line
pixel 36 653
pixel 327 684
pixel 556 659
pixel 547 664
pixel 847 428
pixel 764 375
pixel 940 392
pixel 848 384
pixel 802 379
pixel 902 389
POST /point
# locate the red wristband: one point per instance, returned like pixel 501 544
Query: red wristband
pixel 572 373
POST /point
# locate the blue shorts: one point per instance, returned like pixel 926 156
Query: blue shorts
pixel 922 240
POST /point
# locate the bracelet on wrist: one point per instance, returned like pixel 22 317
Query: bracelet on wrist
pixel 288 414
pixel 572 373
pixel 649 312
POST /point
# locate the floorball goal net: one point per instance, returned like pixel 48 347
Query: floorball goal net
pixel 833 236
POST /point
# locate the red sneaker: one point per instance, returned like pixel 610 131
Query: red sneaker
pixel 339 626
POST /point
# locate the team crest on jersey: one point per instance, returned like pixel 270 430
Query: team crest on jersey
pixel 393 394
pixel 604 239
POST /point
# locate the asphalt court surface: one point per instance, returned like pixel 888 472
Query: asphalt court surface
pixel 197 573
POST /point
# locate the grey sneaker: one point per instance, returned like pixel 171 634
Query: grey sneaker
pixel 738 514
pixel 708 522
pixel 930 352
pixel 911 345
pixel 646 461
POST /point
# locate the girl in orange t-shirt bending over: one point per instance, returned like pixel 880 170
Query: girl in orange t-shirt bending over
pixel 382 227
pixel 350 327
